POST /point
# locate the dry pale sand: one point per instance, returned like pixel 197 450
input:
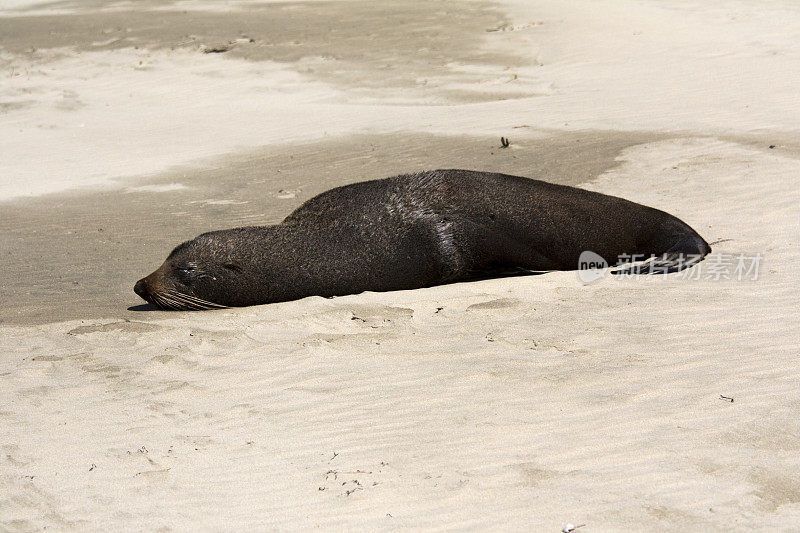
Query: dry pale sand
pixel 512 404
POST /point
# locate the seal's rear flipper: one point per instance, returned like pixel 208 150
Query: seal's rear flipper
pixel 666 264
pixel 686 253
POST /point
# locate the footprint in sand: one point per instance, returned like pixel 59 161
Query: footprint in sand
pixel 500 303
pixel 125 326
pixel 378 317
pixel 355 326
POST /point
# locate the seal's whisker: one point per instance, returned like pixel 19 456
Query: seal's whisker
pixel 194 299
pixel 186 296
pixel 156 300
pixel 160 302
pixel 193 302
pixel 179 300
pixel 207 305
pixel 182 304
pixel 169 302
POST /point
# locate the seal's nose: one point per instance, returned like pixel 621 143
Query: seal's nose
pixel 140 289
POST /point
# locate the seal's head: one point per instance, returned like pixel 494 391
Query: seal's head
pixel 204 273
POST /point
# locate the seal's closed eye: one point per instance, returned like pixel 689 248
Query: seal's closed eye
pixel 185 274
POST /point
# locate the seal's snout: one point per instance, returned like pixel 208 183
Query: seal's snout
pixel 141 289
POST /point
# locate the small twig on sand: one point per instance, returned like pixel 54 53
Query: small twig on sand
pixel 153 471
pixel 218 49
pixel 719 241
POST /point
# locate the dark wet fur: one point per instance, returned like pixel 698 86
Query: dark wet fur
pixel 412 231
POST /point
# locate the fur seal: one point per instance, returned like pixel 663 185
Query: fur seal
pixel 411 231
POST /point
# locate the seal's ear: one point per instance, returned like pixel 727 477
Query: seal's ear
pixel 232 266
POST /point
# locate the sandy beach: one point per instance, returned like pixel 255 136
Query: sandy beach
pixel 659 403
